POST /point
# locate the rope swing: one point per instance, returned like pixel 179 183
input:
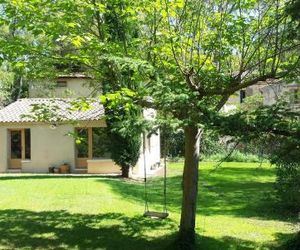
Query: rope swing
pixel 154 214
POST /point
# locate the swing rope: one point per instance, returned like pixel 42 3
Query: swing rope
pixel 147 212
pixel 145 179
pixel 165 179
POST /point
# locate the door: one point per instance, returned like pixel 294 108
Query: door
pixel 20 147
pixel 16 144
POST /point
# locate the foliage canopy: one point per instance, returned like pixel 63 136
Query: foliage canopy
pixel 190 56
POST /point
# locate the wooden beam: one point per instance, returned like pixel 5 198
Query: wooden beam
pixel 90 143
pixel 23 144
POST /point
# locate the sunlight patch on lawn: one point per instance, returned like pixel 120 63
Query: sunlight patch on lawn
pixel 250 229
pixel 235 208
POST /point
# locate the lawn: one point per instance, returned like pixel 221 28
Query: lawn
pixel 236 210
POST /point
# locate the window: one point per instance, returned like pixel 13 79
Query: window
pixel 16 144
pixel 296 96
pixel 242 95
pixel 100 143
pixel 82 145
pixel 27 144
pixel 94 143
pixel 61 83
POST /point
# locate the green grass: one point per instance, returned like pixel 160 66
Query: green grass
pixel 236 210
pixel 235 156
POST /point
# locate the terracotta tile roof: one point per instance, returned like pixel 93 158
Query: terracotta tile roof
pixel 74 75
pixel 49 110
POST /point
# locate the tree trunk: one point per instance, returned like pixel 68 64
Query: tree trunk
pixel 190 187
pixel 125 171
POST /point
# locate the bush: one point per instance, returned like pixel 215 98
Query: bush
pixel 288 186
pixel 174 143
pixel 292 244
pixel 213 148
pixel 236 156
pixel 125 150
pixel 286 157
pixel 212 144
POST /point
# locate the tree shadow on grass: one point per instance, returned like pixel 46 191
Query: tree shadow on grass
pixel 62 230
pixel 234 191
pixel 23 229
pixel 287 241
pixel 238 196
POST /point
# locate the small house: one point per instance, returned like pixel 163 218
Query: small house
pixel 30 145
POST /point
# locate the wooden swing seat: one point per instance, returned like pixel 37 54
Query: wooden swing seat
pixel 158 215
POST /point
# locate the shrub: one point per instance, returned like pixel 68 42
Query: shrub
pixel 291 244
pixel 287 159
pixel 125 150
pixel 236 156
pixel 213 148
pixel 288 185
pixel 174 143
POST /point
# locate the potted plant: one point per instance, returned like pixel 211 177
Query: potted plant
pixel 51 169
pixel 64 168
pixel 56 170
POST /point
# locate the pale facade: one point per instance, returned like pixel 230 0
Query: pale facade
pixel 44 149
pixel 76 85
pixel 150 149
pixel 270 93
pixel 31 146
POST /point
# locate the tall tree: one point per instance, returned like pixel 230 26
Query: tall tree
pixel 6 82
pixel 18 86
pixel 188 55
pixel 293 9
pixel 205 51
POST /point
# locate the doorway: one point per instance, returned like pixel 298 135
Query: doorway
pixel 20 147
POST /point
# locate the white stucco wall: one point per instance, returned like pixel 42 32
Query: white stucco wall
pixel 76 87
pixel 150 148
pixel 51 147
pixel 48 147
pixel 234 99
pixel 152 154
pixel 154 150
